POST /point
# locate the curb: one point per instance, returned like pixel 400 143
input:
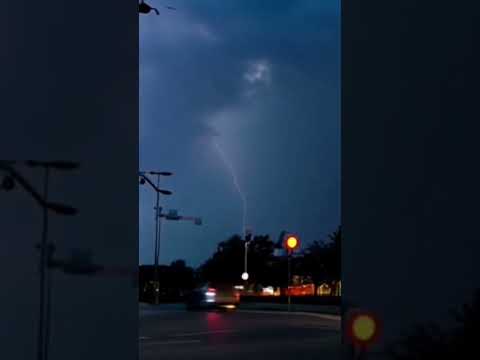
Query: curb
pixel 266 311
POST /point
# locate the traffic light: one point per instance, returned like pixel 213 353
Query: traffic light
pixel 291 242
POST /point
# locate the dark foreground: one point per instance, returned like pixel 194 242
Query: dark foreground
pixel 173 333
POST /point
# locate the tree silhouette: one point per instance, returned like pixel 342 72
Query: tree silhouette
pixel 175 280
pixel 227 263
pixel 322 259
pixel 334 255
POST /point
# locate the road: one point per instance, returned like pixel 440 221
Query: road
pixel 173 333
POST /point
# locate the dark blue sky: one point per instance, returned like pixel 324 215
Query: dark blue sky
pixel 261 79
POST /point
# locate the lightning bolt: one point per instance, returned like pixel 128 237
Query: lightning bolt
pixel 232 172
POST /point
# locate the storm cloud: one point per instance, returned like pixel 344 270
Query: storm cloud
pixel 262 78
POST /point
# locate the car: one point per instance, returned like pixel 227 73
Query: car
pixel 210 296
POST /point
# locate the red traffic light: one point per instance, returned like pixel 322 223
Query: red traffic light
pixel 363 328
pixel 291 242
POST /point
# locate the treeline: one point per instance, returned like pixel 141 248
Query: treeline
pixel 176 280
pixel 317 263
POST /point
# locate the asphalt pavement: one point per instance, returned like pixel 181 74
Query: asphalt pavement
pixel 171 332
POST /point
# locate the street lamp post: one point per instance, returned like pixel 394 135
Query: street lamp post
pixel 157 245
pixel 248 237
pixel 246 258
pixel 289 282
pixel 144 178
pixel 46 249
pixel 46 252
pixel 291 243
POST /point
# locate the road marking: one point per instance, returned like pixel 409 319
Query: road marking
pixel 205 333
pixel 270 312
pixel 157 311
pixel 172 342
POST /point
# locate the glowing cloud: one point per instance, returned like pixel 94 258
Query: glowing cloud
pixel 258 72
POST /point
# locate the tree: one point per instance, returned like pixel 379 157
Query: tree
pixel 314 261
pixel 322 259
pixel 181 276
pixel 227 263
pixel 334 254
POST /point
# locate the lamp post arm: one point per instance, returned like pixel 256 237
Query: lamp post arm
pixel 150 182
pixel 21 180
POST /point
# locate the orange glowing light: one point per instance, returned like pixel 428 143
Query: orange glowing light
pixel 292 242
pixel 363 328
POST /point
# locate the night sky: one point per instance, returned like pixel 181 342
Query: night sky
pixel 259 81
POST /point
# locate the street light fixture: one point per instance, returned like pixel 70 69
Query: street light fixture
pixel 161 173
pixel 59 165
pixel 144 8
pixel 61 209
pixel 291 243
pixel 144 178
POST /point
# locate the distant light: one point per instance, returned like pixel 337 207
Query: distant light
pixel 210 293
pixel 238 287
pixel 245 276
pixel 210 300
pixel 268 290
pixel 229 306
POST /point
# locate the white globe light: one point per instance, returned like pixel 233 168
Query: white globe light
pixel 245 276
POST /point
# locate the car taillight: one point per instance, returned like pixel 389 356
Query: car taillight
pixel 211 292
